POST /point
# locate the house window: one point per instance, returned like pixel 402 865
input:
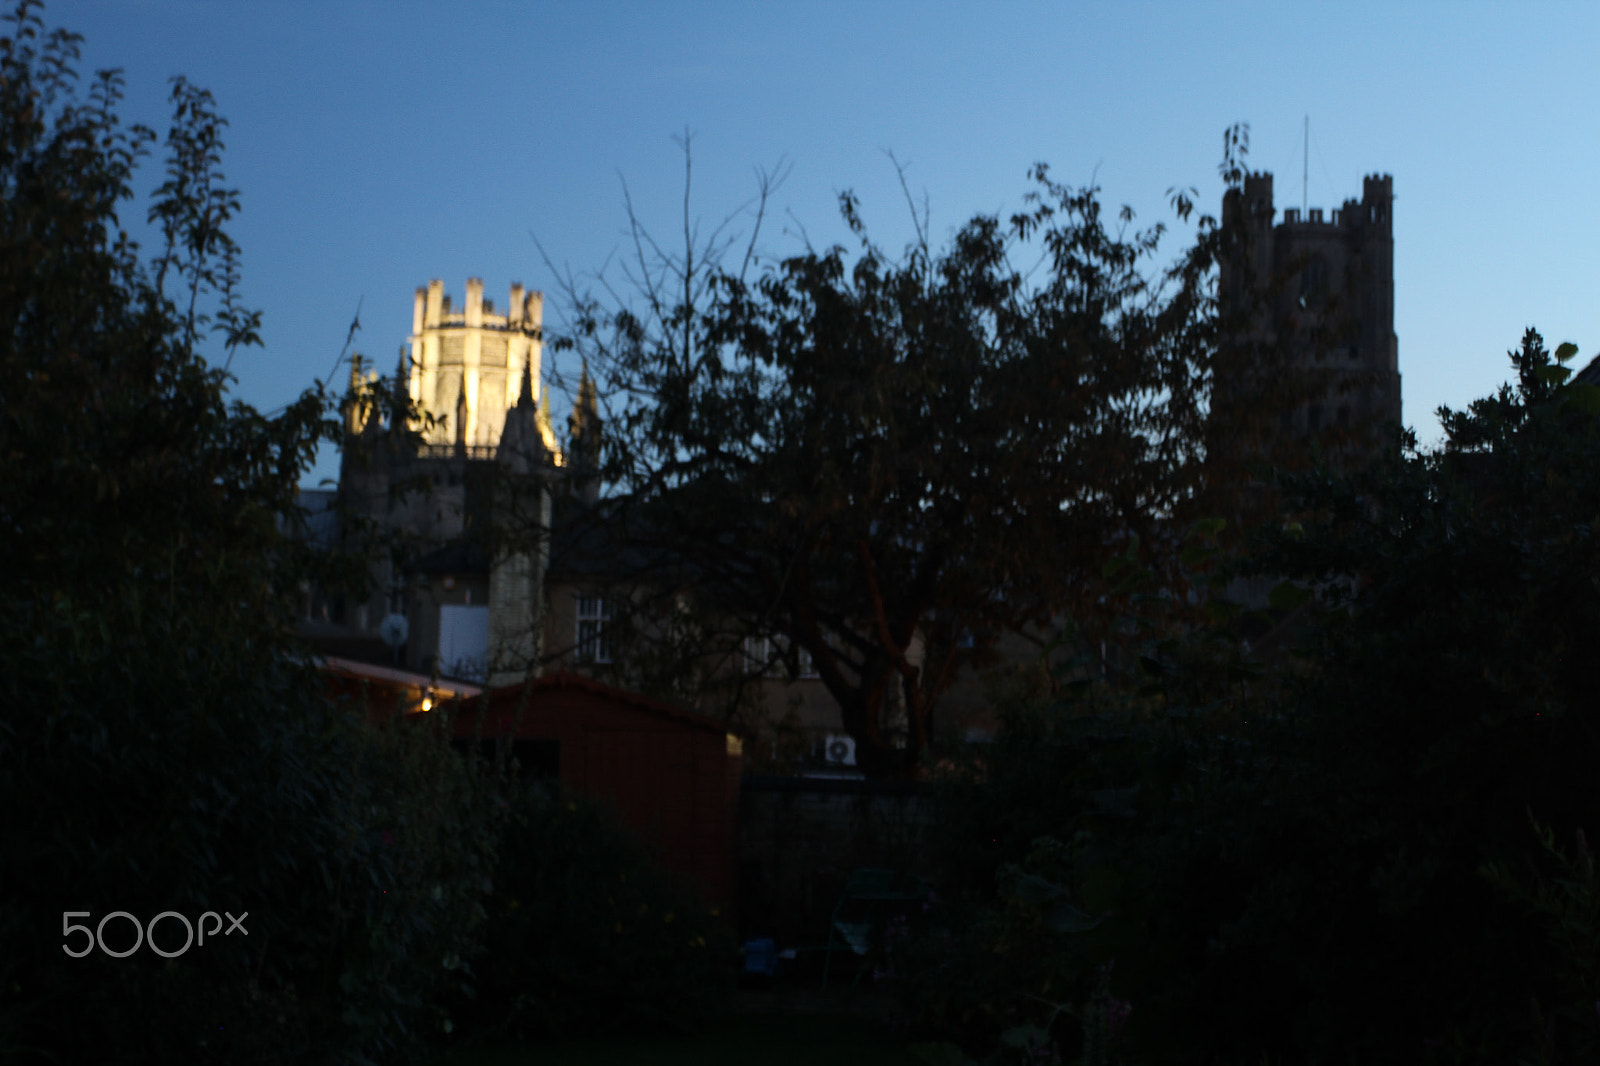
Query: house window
pixel 464 642
pixel 759 658
pixel 766 657
pixel 1314 281
pixel 594 637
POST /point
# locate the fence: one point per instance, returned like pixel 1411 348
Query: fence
pixel 800 838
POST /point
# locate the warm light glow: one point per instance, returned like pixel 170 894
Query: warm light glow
pixel 427 703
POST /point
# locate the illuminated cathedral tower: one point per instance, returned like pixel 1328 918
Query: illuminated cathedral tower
pixel 465 505
pixel 466 365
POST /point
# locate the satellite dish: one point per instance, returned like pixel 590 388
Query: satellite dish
pixel 394 629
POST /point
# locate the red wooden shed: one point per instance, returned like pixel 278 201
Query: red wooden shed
pixel 672 775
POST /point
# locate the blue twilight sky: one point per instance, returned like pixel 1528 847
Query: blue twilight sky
pixel 381 144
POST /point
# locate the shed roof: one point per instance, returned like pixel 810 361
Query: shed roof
pixel 361 671
pixel 566 680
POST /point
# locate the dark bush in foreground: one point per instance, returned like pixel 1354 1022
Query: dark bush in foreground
pixel 586 934
pixel 164 746
pixel 1340 867
pixel 360 857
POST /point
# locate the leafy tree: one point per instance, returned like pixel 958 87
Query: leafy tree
pixel 1449 702
pixel 1316 870
pixel 164 744
pixel 888 463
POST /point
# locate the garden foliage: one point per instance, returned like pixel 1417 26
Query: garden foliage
pixel 587 934
pixel 1330 862
pixel 164 745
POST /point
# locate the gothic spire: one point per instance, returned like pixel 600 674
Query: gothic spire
pixel 585 415
pixel 583 433
pixel 526 395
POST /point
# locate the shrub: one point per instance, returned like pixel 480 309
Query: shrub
pixel 586 933
pixel 359 855
pixel 1299 875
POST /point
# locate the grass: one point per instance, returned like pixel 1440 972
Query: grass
pixel 772 1040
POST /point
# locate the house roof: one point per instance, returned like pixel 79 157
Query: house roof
pixel 443 690
pixel 1590 374
pixel 593 541
pixel 458 557
pixel 565 680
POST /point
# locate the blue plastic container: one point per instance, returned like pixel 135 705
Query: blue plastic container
pixel 761 956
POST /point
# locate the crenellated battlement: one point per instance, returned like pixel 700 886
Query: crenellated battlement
pixel 434 309
pixel 1348 215
pixel 1373 209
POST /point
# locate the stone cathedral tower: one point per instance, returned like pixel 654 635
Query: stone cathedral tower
pixel 467 504
pixel 1317 296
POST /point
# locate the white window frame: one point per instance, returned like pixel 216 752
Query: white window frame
pixel 592 630
pixel 763 657
pixel 759 657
